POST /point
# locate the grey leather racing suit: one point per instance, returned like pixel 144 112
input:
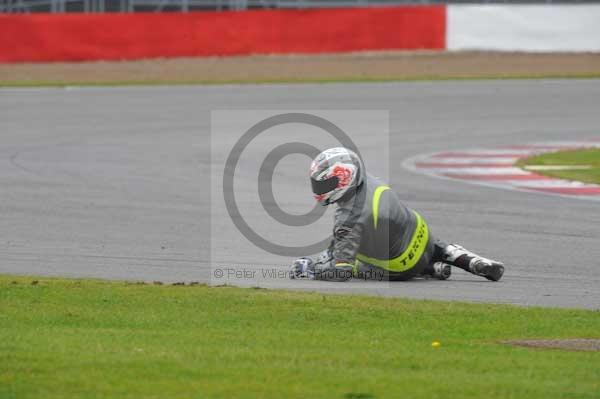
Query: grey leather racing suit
pixel 375 236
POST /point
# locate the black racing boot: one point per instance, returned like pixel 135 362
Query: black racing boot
pixel 487 268
pixel 473 263
pixel 441 270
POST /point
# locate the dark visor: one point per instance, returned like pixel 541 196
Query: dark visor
pixel 324 186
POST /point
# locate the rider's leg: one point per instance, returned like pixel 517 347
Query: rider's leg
pixel 426 266
pixel 458 256
pixel 422 267
pixel 436 267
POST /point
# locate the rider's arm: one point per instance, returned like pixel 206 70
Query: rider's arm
pixel 343 249
pixel 346 240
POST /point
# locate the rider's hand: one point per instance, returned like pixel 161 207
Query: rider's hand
pixel 302 268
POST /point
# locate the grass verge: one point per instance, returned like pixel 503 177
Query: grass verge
pixel 88 338
pixel 585 157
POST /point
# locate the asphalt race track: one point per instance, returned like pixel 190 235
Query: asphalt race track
pixel 116 183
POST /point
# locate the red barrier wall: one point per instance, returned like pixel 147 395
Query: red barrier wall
pixel 79 37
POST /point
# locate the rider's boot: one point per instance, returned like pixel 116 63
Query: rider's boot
pixel 473 263
pixel 441 270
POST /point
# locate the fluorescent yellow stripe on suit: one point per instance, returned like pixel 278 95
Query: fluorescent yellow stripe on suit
pixel 376 197
pixel 409 258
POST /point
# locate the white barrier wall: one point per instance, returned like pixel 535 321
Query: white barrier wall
pixel 523 27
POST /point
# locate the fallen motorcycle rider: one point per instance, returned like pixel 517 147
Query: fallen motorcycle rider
pixel 375 235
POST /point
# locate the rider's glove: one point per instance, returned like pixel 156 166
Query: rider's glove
pixel 303 268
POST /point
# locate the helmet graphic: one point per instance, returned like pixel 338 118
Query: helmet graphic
pixel 335 172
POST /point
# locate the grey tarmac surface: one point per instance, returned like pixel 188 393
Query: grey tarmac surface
pixel 115 183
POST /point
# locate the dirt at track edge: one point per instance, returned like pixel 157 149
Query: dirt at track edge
pixel 353 66
pixel 577 344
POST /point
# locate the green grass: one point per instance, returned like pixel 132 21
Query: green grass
pixel 96 339
pixel 589 157
pixel 366 79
